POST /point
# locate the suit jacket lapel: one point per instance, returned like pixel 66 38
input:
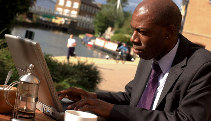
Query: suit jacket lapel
pixel 140 79
pixel 177 67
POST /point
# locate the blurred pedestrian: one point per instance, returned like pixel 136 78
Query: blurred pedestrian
pixel 71 44
pixel 123 51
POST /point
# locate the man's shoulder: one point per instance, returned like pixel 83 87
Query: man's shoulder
pixel 195 53
pixel 200 56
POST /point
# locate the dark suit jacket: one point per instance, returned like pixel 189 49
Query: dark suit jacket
pixel 186 95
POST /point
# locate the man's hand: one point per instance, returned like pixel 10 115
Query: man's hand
pixel 76 94
pixel 97 106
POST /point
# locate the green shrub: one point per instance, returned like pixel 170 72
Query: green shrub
pixel 121 38
pixel 6 64
pixel 3 43
pixel 81 75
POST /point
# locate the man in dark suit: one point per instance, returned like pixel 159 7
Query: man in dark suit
pixel 173 78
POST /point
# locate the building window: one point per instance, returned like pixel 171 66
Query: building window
pixel 82 7
pixel 79 24
pixel 59 10
pixel 61 2
pixel 92 10
pixel 89 8
pixel 75 5
pixel 85 7
pixel 68 4
pixel 74 13
pixel 66 12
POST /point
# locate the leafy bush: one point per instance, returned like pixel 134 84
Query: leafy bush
pixel 81 75
pixel 6 64
pixel 3 43
pixel 121 38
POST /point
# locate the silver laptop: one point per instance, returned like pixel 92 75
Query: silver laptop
pixel 25 52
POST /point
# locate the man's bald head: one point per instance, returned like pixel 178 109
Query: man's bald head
pixel 162 12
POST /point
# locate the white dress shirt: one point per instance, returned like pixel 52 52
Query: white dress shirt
pixel 165 64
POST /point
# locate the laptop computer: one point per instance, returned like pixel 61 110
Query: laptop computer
pixel 25 52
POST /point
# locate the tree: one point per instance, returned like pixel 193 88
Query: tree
pixel 104 19
pixel 125 28
pixel 109 16
pixel 9 9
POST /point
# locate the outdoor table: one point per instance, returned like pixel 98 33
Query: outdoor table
pixel 39 116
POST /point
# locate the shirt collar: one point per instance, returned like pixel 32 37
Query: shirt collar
pixel 166 61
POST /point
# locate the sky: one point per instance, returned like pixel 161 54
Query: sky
pixel 133 3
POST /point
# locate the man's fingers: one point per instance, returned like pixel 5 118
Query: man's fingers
pixel 81 108
pixel 71 90
pixel 63 92
pixel 68 92
pixel 61 96
pixel 80 104
pixel 87 108
pixel 94 105
pixel 72 106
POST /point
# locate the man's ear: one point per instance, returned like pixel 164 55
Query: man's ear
pixel 170 31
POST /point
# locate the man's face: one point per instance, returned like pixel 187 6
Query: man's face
pixel 148 38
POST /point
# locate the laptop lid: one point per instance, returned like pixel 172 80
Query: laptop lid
pixel 25 52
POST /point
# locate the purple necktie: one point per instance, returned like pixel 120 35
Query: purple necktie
pixel 147 97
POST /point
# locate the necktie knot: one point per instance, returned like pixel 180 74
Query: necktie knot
pixel 156 67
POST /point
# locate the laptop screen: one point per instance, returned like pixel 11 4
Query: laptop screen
pixel 25 52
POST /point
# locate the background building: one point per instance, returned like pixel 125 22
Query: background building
pixel 88 10
pixel 84 10
pixel 197 25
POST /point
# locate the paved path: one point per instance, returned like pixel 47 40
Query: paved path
pixel 114 76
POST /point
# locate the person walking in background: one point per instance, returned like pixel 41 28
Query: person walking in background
pixel 71 44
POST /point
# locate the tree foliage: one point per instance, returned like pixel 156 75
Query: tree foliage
pixel 109 16
pixel 119 20
pixel 104 19
pixel 125 28
pixel 6 64
pixel 9 9
pixel 120 38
